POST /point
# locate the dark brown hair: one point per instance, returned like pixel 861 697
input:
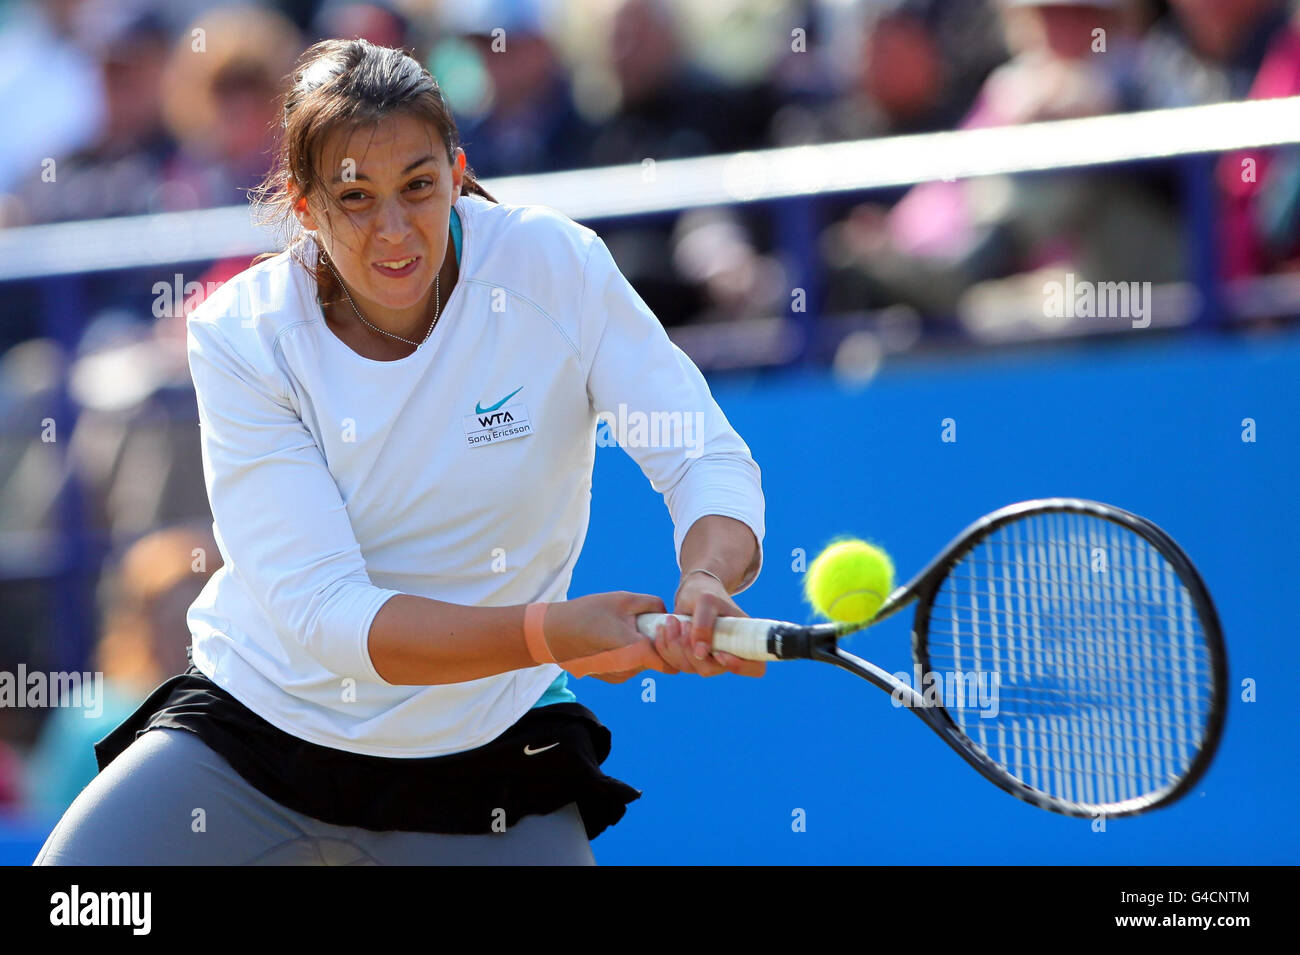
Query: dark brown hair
pixel 344 85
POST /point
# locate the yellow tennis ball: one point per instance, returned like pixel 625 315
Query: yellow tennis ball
pixel 849 580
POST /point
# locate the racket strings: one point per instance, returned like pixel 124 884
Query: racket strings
pixel 949 663
pixel 1092 670
pixel 1043 661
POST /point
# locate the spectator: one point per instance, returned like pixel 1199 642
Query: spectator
pixel 49 87
pixel 33 474
pixel 668 108
pixel 944 237
pixel 378 22
pixel 144 641
pixel 915 67
pixel 1261 204
pixel 30 469
pixel 136 442
pixel 714 251
pixel 11 778
pixel 521 117
pixel 116 173
pixel 1207 51
pixel 220 102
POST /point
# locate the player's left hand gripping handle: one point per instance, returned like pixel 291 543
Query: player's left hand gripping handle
pixel 744 637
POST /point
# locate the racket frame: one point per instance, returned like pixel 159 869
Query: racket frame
pixel 788 641
pixel 926 585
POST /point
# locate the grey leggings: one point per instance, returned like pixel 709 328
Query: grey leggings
pixel 170 800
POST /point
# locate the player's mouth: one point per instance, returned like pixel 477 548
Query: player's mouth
pixel 397 268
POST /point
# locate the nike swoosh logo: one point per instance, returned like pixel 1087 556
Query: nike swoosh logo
pixel 529 751
pixel 479 409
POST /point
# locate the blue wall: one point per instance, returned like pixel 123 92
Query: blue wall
pixel 1152 426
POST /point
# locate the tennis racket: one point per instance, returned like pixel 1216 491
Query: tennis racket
pixel 1090 629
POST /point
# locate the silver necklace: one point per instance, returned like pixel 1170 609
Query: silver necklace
pixel 437 308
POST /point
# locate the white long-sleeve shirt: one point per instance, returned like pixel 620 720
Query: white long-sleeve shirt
pixel 460 473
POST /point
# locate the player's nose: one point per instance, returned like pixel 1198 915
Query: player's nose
pixel 393 222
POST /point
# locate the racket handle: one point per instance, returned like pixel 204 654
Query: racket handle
pixel 744 637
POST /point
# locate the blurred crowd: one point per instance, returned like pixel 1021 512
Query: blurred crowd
pixel 122 107
pixel 128 107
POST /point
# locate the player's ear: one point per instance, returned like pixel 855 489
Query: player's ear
pixel 300 211
pixel 457 174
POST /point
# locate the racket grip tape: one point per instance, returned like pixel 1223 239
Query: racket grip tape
pixel 744 637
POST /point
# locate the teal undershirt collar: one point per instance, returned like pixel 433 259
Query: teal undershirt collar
pixel 455 232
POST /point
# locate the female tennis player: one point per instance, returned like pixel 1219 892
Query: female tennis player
pixel 398 416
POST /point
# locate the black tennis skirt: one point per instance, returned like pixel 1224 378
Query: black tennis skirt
pixel 520 772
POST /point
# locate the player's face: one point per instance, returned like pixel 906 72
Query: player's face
pixel 386 230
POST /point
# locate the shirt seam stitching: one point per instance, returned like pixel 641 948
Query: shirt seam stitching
pixel 582 293
pixel 547 315
pixel 216 330
pixel 275 345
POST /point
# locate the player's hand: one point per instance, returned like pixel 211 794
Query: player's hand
pixel 690 648
pixel 597 623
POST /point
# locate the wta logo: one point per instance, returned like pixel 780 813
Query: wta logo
pixel 499 421
pixel 496 418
